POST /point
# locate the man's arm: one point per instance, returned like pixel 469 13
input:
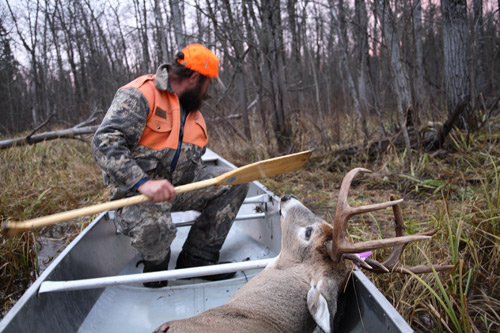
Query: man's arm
pixel 118 133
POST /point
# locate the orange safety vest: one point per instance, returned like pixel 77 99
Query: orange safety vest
pixel 164 119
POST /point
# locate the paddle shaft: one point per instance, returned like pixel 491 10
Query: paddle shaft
pixel 14 228
pixel 255 171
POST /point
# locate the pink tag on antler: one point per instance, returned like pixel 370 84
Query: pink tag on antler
pixel 363 255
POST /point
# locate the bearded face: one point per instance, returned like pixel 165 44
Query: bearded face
pixel 191 99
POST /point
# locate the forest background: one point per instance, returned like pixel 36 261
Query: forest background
pixel 355 80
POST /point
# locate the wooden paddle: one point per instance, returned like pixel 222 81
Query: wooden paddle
pixel 255 171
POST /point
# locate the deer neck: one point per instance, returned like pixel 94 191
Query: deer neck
pixel 278 293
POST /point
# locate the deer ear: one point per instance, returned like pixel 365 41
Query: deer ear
pixel 321 309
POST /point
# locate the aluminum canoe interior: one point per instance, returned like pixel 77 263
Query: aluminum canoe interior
pixel 100 252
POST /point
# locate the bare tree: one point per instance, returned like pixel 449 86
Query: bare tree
pixel 161 38
pixel 456 68
pixel 30 44
pixel 121 44
pixel 362 49
pixel 236 40
pixel 272 46
pixel 478 77
pixel 401 85
pixel 253 30
pixel 418 96
pixel 142 24
pixel 177 19
pixel 456 58
pixel 295 59
pixel 345 68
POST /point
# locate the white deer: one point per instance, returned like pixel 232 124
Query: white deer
pixel 299 290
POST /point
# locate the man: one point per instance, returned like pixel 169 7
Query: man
pixel 152 138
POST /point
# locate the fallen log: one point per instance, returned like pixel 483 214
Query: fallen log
pixel 373 149
pixel 69 133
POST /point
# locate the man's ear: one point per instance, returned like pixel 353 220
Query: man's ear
pixel 194 78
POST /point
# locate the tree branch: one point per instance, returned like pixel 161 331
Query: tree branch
pixel 69 133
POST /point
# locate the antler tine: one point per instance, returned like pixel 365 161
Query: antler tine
pixel 421 269
pixel 344 212
pixel 400 231
pixel 348 247
pixel 344 191
pixel 346 184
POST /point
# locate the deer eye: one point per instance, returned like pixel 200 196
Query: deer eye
pixel 308 232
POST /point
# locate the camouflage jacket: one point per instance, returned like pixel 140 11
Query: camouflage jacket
pixel 115 145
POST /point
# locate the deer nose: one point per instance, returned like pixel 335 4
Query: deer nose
pixel 284 199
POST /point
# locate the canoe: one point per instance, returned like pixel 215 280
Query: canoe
pixel 95 286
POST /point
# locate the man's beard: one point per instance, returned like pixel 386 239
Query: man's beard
pixel 191 99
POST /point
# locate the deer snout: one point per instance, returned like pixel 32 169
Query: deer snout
pixel 287 201
pixel 287 197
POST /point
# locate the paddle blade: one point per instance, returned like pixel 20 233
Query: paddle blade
pixel 263 169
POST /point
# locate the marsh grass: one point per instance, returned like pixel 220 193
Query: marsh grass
pixel 40 180
pixel 455 191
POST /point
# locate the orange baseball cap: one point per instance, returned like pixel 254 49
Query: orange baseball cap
pixel 198 58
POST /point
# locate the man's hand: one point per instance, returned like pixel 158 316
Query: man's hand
pixel 158 190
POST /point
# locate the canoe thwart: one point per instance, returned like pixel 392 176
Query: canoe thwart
pixel 51 286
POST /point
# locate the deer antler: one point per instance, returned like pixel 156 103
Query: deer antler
pixel 392 263
pixel 342 248
pixel 340 244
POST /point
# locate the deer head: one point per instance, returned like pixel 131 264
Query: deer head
pixel 333 241
pixel 302 231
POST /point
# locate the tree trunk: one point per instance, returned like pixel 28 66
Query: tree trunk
pixel 479 75
pixel 161 40
pixel 346 70
pixel 177 19
pixel 456 66
pixel 295 62
pixel 238 63
pixel 361 19
pixel 401 88
pixel 418 97
pixel 142 24
pixel 252 26
pixel 69 133
pixel 272 47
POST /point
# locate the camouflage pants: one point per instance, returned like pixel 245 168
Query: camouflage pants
pixel 151 229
